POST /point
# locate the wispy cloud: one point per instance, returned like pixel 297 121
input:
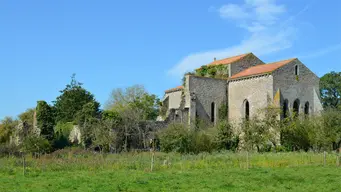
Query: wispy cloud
pixel 321 52
pixel 263 21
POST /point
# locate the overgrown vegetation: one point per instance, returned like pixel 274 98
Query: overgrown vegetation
pixel 123 125
pixel 213 71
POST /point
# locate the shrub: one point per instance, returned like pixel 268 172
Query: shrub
pixel 9 149
pixel 176 137
pixel 201 142
pixel 225 138
pixel 36 144
pixel 182 139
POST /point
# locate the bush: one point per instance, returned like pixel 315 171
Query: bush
pixel 36 144
pixel 225 138
pixel 9 149
pixel 201 142
pixel 176 137
pixel 182 139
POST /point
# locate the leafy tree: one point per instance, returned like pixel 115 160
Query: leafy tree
pixel 104 136
pixel 45 119
pixel 295 135
pixel 89 111
pixel 87 118
pixel 38 144
pixel 112 116
pixel 137 98
pixel 330 88
pixel 225 138
pixel 72 100
pixel 27 118
pixel 62 132
pixel 7 127
pixel 331 123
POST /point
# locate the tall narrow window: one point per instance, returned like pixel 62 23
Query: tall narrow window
pixel 306 108
pixel 296 107
pixel 212 112
pixel 296 70
pixel 285 109
pixel 247 110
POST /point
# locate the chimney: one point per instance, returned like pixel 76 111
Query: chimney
pixel 215 59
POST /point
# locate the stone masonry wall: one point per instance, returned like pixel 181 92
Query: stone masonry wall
pixel 247 62
pixel 174 99
pixel 302 87
pixel 206 91
pixel 256 90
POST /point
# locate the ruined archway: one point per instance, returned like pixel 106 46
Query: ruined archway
pixel 306 108
pixel 296 107
pixel 285 109
pixel 212 112
pixel 246 110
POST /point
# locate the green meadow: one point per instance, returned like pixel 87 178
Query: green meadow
pixel 77 170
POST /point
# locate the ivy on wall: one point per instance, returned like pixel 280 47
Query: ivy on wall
pixel 215 71
pixel 223 111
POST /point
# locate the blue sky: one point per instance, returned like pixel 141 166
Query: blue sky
pixel 112 44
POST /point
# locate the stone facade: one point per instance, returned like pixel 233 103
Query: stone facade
pixel 251 87
pixel 244 63
pixel 256 90
pixel 209 95
pixel 302 87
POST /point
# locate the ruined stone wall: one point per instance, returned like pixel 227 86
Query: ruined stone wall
pixel 258 91
pixel 304 87
pixel 247 62
pixel 206 90
pixel 174 99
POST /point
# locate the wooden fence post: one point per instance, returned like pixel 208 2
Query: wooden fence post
pixel 23 164
pixel 338 157
pixel 247 160
pixel 153 154
pixel 324 158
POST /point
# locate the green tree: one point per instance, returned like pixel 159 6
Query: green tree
pixel 225 138
pixel 7 127
pixel 137 98
pixel 45 119
pixel 72 100
pixel 330 89
pixel 87 119
pixel 36 144
pixel 104 136
pixel 27 118
pixel 331 123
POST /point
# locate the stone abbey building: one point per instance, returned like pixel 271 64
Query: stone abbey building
pixel 243 85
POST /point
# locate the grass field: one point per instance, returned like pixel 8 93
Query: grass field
pixel 79 171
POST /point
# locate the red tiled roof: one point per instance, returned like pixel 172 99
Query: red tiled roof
pixel 228 60
pixel 260 69
pixel 178 88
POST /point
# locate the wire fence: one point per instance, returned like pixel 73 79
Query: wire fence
pixel 156 161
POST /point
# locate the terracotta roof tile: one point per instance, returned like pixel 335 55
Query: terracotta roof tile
pixel 228 60
pixel 178 88
pixel 261 69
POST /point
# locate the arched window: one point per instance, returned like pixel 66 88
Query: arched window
pixel 212 112
pixel 296 70
pixel 247 109
pixel 285 109
pixel 296 107
pixel 306 108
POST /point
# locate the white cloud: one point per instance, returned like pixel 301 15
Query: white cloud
pixel 321 52
pixel 263 21
pixel 233 11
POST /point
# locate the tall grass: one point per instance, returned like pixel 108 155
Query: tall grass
pixel 75 160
